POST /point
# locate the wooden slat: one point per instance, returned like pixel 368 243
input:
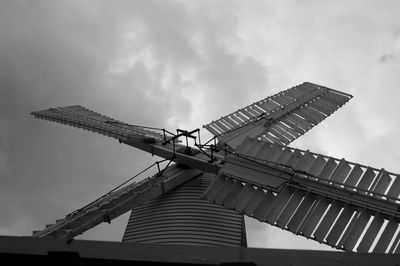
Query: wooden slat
pixel 328 169
pixel 320 107
pixel 269 105
pixel 279 203
pixel 244 197
pixel 217 128
pixel 230 122
pixel 383 183
pixel 327 221
pixel 354 176
pixel 284 156
pixel 301 213
pixel 317 166
pixel 293 126
pixel 232 196
pixel 258 110
pixel 306 162
pixel 246 114
pixel 366 179
pixel 288 129
pixel 254 202
pixel 264 151
pixel 290 208
pixel 265 205
pixel 213 190
pixel 387 236
pixel 371 233
pixel 273 130
pixel 274 153
pixel 254 149
pixel 335 98
pixel 245 146
pixel 300 121
pixel 394 190
pixel 280 99
pixel 325 101
pixel 340 225
pixel 222 126
pixel 315 217
pixel 252 112
pixel 212 130
pixel 293 93
pixel 224 190
pixel 395 245
pixel 241 116
pixel 349 229
pixel 287 98
pixel 263 107
pixel 341 172
pixel 355 234
pixel 236 119
pixel 294 159
pixel 307 115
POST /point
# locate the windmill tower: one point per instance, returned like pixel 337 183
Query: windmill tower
pixel 246 169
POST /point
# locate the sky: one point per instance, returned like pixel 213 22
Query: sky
pixel 180 64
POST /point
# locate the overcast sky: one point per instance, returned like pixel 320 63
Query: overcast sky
pixel 180 64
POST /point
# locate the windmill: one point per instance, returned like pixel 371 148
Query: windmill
pixel 247 168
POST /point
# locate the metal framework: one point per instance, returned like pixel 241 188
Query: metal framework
pixel 251 172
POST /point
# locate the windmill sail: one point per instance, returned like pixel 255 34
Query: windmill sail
pixel 80 117
pixel 280 118
pixel 117 203
pixel 342 204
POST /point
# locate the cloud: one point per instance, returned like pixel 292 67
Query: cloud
pixel 135 61
pixel 178 64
